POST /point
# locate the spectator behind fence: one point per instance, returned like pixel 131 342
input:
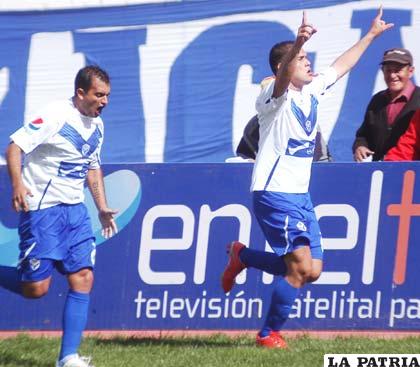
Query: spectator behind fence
pixel 389 111
pixel 61 146
pixel 408 145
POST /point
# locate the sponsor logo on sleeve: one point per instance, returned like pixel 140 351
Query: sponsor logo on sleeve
pixel 36 124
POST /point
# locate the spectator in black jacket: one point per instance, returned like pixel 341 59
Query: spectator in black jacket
pixel 389 111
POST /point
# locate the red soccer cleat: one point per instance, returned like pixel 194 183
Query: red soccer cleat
pixel 233 267
pixel 274 340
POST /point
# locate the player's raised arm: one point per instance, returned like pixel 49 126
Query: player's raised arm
pixel 348 59
pixel 286 68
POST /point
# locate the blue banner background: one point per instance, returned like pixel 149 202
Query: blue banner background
pixel 197 102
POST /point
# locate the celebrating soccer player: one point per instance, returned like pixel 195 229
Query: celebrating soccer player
pixel 287 114
pixel 61 146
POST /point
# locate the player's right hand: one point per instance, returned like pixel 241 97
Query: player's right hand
pixel 19 201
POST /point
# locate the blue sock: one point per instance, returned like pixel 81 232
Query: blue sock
pixel 266 261
pixel 282 300
pixel 10 279
pixel 74 322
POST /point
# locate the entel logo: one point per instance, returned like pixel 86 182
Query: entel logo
pixel 405 210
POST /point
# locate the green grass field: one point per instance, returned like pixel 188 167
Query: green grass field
pixel 214 351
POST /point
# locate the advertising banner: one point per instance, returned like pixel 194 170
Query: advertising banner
pixel 162 270
pixel 185 74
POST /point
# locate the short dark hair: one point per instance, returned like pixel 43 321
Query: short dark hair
pixel 85 76
pixel 278 52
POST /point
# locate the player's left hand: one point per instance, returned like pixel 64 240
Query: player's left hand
pixel 305 31
pixel 379 25
pixel 109 227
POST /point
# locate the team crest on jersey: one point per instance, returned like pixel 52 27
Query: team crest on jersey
pixel 301 226
pixel 34 264
pixel 36 124
pixel 85 149
pixel 308 122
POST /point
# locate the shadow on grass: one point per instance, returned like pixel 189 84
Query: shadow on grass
pixel 214 341
pixel 11 359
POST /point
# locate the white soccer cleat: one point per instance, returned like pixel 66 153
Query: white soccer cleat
pixel 75 360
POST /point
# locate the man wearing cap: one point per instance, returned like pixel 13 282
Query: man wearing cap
pixel 389 111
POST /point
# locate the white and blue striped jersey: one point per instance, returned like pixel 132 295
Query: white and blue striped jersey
pixel 288 126
pixel 60 145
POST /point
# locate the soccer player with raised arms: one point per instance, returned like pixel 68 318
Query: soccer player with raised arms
pixel 287 113
pixel 61 147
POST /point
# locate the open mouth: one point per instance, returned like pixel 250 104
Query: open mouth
pixel 99 110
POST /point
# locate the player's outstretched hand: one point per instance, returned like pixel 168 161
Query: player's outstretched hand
pixel 305 31
pixel 109 227
pixel 379 25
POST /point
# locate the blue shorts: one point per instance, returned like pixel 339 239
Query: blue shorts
pixel 288 222
pixel 60 236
